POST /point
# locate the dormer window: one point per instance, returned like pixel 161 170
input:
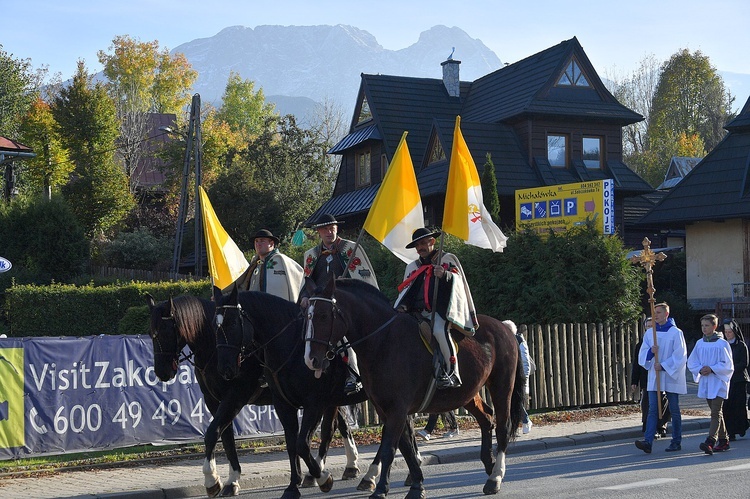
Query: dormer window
pixel 364 112
pixel 436 153
pixel 573 76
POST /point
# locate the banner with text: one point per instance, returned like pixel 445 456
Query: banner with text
pixel 559 207
pixel 78 394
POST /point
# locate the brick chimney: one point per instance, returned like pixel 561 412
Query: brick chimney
pixel 450 77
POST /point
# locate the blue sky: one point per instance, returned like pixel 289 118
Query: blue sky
pixel 615 35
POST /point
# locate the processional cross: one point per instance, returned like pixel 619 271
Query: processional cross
pixel 647 259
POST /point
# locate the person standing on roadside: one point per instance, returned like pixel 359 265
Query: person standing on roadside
pixel 712 368
pixel 529 367
pixel 671 352
pixel 735 410
pixel 639 386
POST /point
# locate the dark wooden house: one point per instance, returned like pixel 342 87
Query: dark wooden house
pixel 545 120
pixel 712 204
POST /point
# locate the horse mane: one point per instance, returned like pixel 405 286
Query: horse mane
pixel 362 288
pixel 192 315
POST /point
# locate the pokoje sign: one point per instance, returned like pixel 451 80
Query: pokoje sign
pixel 75 394
pixel 559 207
pixel 5 265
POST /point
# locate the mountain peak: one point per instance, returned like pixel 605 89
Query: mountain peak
pixel 325 61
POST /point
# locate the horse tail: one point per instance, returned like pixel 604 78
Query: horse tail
pixel 519 391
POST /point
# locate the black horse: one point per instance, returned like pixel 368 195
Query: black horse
pixel 249 323
pixel 187 320
pixel 397 371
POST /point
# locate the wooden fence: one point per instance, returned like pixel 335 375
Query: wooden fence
pixel 139 274
pixel 577 365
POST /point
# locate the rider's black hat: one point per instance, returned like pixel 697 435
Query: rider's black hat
pixel 325 219
pixel 422 233
pixel 265 233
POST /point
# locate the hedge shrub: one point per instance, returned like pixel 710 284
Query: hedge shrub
pixel 70 310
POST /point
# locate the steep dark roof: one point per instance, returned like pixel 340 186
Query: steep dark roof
pixel 742 120
pixel 511 169
pixel 718 188
pixel 348 203
pixel 355 138
pixel 400 103
pixel 527 87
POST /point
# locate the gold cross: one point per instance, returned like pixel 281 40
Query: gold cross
pixel 647 259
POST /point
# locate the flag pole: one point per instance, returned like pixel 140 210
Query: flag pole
pixel 435 290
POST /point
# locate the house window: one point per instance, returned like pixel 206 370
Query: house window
pixel 592 152
pixel 364 112
pixel 437 153
pixel 383 166
pixel 573 76
pixel 363 168
pixel 557 150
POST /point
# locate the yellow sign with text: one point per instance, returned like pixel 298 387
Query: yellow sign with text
pixel 11 398
pixel 559 207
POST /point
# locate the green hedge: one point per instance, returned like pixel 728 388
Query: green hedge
pixel 70 310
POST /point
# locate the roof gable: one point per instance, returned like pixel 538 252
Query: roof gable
pixel 400 103
pixel 718 188
pixel 530 86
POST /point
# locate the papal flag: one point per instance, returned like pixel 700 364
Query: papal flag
pixel 465 215
pixel 397 209
pixel 225 260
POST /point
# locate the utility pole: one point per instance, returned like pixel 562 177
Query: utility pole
pixel 193 147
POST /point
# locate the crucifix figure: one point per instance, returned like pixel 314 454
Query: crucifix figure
pixel 647 259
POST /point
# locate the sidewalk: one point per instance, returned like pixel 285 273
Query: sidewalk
pixel 184 478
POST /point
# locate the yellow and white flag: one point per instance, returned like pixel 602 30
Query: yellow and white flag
pixel 465 215
pixel 397 209
pixel 225 259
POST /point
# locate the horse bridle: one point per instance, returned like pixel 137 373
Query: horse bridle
pixel 344 344
pixel 256 347
pixel 219 328
pixel 178 356
pixel 335 312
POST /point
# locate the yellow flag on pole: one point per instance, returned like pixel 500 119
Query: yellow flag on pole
pixel 465 215
pixel 225 259
pixel 397 209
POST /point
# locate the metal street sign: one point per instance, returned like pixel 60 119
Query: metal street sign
pixel 5 265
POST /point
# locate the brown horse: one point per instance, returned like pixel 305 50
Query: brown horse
pixel 397 371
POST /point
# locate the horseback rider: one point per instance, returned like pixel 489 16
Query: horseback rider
pixel 454 306
pixel 332 256
pixel 271 271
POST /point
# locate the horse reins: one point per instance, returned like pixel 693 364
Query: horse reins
pixel 335 310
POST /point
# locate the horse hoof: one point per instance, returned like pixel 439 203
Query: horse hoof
pixel 350 473
pixel 409 481
pixel 308 481
pixel 291 494
pixel 377 496
pixel 213 490
pixel 416 493
pixel 366 485
pixel 328 484
pixel 230 490
pixel 491 487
